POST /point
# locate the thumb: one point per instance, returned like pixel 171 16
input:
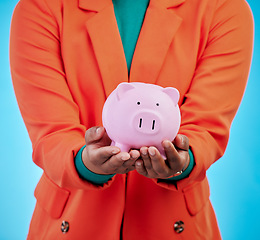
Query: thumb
pixel 94 134
pixel 181 142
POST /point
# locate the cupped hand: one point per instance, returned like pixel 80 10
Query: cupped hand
pixel 101 158
pixel 153 165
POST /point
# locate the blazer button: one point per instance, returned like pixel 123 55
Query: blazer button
pixel 65 226
pixel 179 226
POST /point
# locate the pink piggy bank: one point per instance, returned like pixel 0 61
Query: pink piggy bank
pixel 140 114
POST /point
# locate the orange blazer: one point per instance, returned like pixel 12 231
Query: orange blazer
pixel 66 58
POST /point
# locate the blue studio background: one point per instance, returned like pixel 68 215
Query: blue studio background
pixel 234 180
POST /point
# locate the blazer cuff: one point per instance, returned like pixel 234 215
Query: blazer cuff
pixel 88 175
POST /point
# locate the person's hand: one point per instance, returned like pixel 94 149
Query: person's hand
pixel 152 164
pixel 101 158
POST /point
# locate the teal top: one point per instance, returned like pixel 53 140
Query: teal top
pixel 129 15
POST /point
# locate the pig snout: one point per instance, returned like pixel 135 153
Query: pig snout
pixel 147 122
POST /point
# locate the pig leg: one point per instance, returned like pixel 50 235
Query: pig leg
pixel 161 150
pixel 123 147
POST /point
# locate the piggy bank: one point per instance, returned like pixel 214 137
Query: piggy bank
pixel 141 114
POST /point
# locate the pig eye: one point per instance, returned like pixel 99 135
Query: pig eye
pixel 157 104
pixel 138 103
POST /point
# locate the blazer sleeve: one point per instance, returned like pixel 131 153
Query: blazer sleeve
pixel 45 101
pixel 217 87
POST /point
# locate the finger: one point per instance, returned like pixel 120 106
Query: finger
pixel 105 140
pixel 181 142
pixel 146 159
pixel 94 134
pixel 139 166
pixel 186 159
pixel 170 150
pixel 134 155
pixel 158 163
pixel 173 157
pixel 102 154
pixel 116 162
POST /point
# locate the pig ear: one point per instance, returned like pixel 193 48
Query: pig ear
pixel 173 93
pixel 122 88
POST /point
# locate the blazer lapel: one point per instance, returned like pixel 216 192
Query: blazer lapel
pixel 105 37
pixel 158 30
pixel 157 33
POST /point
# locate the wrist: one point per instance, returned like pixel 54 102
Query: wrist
pixel 187 169
pixel 85 173
pixel 88 165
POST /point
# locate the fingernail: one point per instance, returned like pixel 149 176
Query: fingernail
pixel 115 151
pixel 98 131
pixel 143 152
pixel 134 156
pixel 125 157
pixel 138 164
pixel 167 144
pixel 182 140
pixel 151 151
